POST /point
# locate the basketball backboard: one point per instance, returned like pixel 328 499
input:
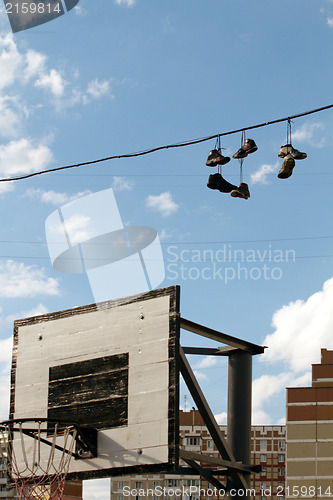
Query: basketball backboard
pixel 111 367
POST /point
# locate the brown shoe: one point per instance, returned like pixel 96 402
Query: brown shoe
pixel 289 150
pixel 216 181
pixel 216 158
pixel 287 167
pixel 241 192
pixel 248 147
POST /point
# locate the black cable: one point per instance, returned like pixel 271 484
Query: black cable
pixel 169 146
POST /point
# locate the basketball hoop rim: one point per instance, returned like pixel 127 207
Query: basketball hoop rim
pixel 13 421
pixel 85 442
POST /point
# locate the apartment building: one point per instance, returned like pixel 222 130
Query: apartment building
pixel 268 450
pixel 309 471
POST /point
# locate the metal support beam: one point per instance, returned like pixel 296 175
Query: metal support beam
pixel 220 337
pixel 207 474
pixel 239 406
pixel 200 457
pixel 193 472
pixel 209 351
pixel 209 419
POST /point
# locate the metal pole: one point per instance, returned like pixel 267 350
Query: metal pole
pixel 239 407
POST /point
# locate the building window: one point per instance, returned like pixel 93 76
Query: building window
pixel 281 458
pixel 173 483
pixel 281 445
pixel 120 485
pixel 263 458
pixel 192 441
pixel 263 444
pixel 263 472
pixel 120 497
pixel 210 443
pixel 191 482
pixel 281 472
pixel 156 483
pixel 262 486
pixel 138 485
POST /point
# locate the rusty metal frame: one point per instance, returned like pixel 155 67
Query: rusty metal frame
pixel 235 452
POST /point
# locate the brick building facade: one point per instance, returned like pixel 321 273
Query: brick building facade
pixel 310 434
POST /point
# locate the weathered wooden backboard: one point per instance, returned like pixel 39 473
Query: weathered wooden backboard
pixel 111 366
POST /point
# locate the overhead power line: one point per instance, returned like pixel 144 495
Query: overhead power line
pixel 183 243
pixel 169 146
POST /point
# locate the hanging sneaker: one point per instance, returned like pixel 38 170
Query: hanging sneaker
pixel 287 149
pixel 287 167
pixel 216 181
pixel 215 158
pixel 241 192
pixel 248 147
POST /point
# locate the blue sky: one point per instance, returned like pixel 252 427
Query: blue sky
pixel 115 77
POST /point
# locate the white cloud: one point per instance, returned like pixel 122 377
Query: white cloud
pixel 96 489
pixel 260 176
pixel 122 184
pixel 52 81
pixel 30 67
pixel 36 311
pixel 22 157
pixel 6 322
pixel 206 362
pixel 35 63
pixel 98 88
pixel 10 117
pixel 221 418
pixel 127 3
pixel 20 280
pixel 302 328
pixel 77 228
pixel 10 61
pixel 6 346
pixel 79 10
pixel 268 386
pixel 54 197
pixel 330 21
pixel 162 203
pixel 310 133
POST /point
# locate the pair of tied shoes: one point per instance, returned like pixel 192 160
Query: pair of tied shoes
pixel 216 181
pixel 289 155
